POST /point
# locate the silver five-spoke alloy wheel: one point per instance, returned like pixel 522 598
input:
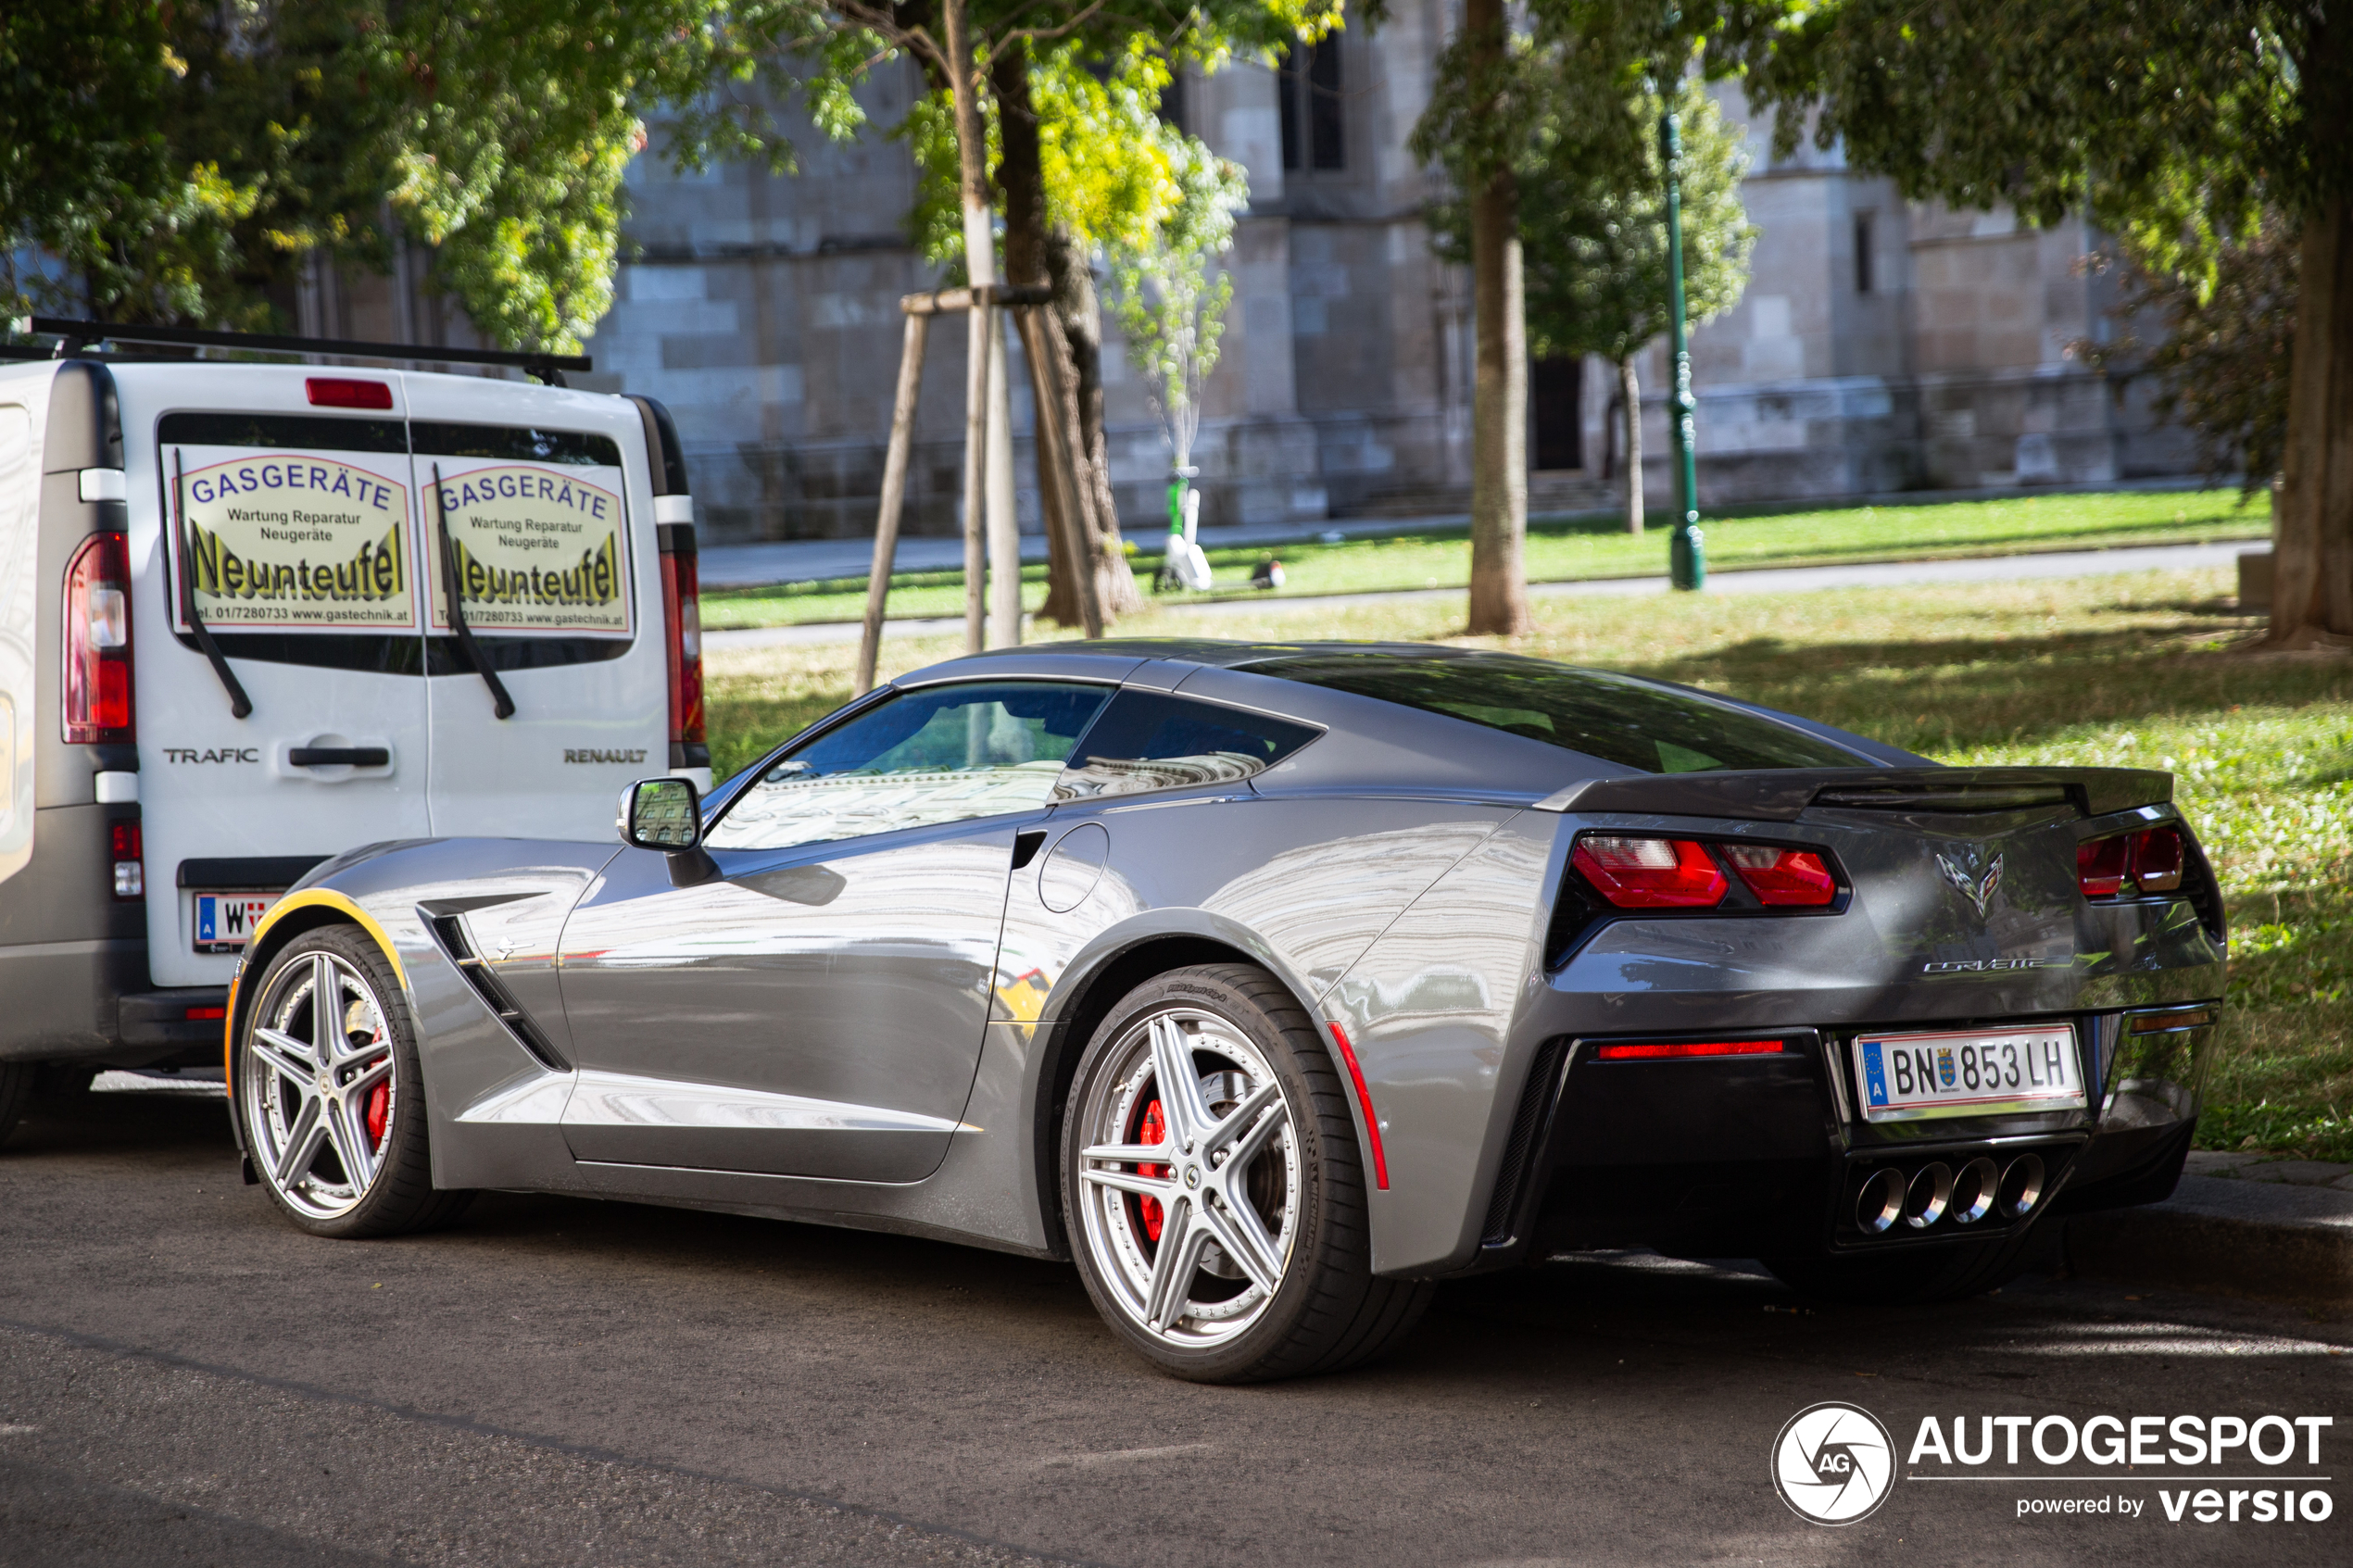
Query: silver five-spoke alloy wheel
pixel 319 1091
pixel 1190 1178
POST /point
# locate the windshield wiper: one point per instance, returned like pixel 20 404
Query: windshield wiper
pixel 240 705
pixel 500 703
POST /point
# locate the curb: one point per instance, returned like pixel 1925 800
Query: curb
pixel 2224 1237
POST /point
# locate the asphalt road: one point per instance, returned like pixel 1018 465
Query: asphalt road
pixel 185 1379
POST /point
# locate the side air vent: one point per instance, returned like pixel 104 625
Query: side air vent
pixel 1535 1113
pixel 1574 918
pixel 450 932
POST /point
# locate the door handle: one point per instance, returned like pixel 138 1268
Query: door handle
pixel 1026 843
pixel 338 756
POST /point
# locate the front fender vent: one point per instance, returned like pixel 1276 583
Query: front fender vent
pixel 450 932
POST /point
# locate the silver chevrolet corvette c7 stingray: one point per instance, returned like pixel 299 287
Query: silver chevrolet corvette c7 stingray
pixel 1270 983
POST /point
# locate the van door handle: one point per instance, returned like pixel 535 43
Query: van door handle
pixel 338 756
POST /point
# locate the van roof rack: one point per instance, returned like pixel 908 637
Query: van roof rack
pixel 76 337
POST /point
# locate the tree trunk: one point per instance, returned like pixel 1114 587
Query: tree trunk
pixel 980 269
pixel 2312 561
pixel 1499 395
pixel 1033 256
pixel 1021 175
pixel 1079 323
pixel 1630 392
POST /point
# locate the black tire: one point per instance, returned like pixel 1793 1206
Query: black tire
pixel 1326 1310
pixel 398 1196
pixel 64 1083
pixel 1907 1277
pixel 15 1091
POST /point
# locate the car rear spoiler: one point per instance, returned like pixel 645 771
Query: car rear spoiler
pixel 1780 793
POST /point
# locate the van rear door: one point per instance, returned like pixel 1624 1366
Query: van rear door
pixel 538 502
pixel 287 540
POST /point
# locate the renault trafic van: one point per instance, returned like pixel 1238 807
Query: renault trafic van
pixel 252 615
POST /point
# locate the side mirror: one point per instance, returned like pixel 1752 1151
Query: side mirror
pixel 666 814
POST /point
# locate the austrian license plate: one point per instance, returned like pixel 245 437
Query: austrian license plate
pixel 1968 1073
pixel 225 920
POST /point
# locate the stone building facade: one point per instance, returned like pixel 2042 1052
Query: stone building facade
pixel 1882 345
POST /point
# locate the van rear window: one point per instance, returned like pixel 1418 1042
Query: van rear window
pixel 515 444
pixel 302 541
pixel 283 430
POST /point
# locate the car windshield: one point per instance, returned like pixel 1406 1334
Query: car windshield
pixel 1618 719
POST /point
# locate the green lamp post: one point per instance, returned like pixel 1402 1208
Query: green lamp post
pixel 1687 557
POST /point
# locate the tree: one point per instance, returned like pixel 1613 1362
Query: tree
pixel 1084 166
pixel 1592 216
pixel 184 163
pixel 1172 295
pixel 1477 128
pixel 2173 126
pixel 84 96
pixel 2222 357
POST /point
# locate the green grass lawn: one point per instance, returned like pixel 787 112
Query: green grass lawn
pixel 1562 549
pixel 2125 670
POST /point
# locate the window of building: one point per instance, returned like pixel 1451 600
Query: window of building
pixel 1554 389
pixel 1862 253
pixel 1307 92
pixel 1175 111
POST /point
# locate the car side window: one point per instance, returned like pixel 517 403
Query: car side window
pixel 942 754
pixel 1151 740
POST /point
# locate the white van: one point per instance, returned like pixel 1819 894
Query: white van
pixel 230 649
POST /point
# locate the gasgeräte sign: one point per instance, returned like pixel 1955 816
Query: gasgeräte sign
pixel 296 541
pixel 535 549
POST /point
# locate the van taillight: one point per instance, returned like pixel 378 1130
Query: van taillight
pixel 97 671
pixel 682 610
pixel 129 857
pixel 344 391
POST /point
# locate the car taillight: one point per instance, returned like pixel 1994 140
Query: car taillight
pixel 2157 855
pixel 2149 860
pixel 1785 878
pixel 97 652
pixel 1651 873
pixel 129 869
pixel 681 610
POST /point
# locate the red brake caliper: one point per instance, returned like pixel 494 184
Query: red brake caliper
pixel 1153 1130
pixel 379 1108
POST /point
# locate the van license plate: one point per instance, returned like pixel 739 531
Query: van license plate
pixel 225 920
pixel 1968 1073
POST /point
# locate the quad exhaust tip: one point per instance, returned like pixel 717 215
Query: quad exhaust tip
pixel 2022 1186
pixel 1930 1192
pixel 1936 1191
pixel 1881 1203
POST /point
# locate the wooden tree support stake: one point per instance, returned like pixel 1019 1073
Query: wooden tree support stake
pixel 919 308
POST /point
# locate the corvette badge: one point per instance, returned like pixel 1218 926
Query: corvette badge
pixel 1968 871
